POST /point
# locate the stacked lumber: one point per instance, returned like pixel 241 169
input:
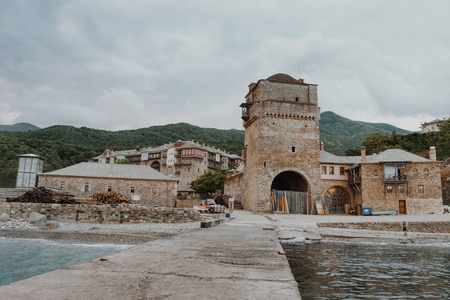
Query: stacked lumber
pixel 111 198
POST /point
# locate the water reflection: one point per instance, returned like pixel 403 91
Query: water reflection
pixel 327 270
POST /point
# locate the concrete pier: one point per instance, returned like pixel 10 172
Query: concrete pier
pixel 241 259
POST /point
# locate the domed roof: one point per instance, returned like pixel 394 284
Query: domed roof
pixel 281 77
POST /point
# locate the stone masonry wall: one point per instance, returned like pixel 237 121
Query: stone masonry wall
pixel 152 192
pixel 234 187
pixel 424 206
pixel 429 227
pixel 102 213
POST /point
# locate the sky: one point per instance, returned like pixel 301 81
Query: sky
pixel 117 65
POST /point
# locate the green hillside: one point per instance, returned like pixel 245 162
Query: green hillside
pixel 67 145
pixel 339 134
pixel 19 127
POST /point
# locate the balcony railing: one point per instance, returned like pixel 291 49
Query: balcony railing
pixel 396 178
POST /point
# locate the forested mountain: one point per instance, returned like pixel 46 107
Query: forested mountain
pixel 19 127
pixel 339 134
pixel 62 146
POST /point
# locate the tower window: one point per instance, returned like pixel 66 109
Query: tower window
pixel 265 164
pixel 132 189
pixel 296 99
pixel 293 149
pixel 86 187
pixel 109 188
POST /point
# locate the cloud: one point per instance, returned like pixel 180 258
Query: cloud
pixel 142 63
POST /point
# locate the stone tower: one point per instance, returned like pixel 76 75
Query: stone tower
pixel 282 147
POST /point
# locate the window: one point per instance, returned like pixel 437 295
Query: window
pixel 154 190
pixel 265 164
pixel 296 99
pixel 324 170
pixel 415 172
pixel 341 170
pixel 293 149
pixel 389 189
pixel 425 172
pixel 375 173
pixel 331 171
pixel 86 187
pixel 132 189
pixel 421 189
pixel 401 189
pixel 109 188
pixel 62 186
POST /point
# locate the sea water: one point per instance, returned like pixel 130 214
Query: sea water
pixel 339 270
pixel 24 258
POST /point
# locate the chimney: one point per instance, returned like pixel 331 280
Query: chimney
pixel 432 153
pixel 322 147
pixel 363 154
pixel 111 164
pixel 234 172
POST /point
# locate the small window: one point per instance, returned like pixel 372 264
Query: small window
pixel 421 189
pixel 265 164
pixel 132 189
pixel 109 188
pixel 154 190
pixel 293 149
pixel 375 173
pixel 341 170
pixel 400 189
pixel 331 171
pixel 62 186
pixel 86 187
pixel 324 170
pixel 296 99
pixel 389 189
pixel 415 173
pixel 425 172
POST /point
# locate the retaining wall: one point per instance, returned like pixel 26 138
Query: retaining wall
pixel 429 227
pixel 102 213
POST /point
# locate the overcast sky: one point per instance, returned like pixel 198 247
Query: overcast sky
pixel 131 64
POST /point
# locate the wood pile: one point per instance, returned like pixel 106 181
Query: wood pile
pixel 42 195
pixel 111 198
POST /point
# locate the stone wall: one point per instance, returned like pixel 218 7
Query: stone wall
pixel 428 227
pixel 151 192
pixel 424 206
pixel 102 213
pixel 234 187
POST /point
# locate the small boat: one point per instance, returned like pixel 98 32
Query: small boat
pixel 385 212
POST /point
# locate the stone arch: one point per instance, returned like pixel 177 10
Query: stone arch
pixel 290 181
pixel 156 165
pixel 335 198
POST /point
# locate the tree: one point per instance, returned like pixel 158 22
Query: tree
pixel 210 182
pixel 124 161
pixel 376 142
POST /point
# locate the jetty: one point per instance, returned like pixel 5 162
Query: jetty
pixel 241 259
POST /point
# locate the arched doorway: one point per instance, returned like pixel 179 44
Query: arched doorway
pixel 289 193
pixel 289 181
pixel 156 165
pixel 335 199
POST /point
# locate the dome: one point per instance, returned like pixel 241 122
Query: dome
pixel 281 77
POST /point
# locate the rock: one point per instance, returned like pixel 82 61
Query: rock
pixel 37 219
pixel 4 218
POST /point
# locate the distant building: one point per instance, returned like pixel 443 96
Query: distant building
pixel 30 166
pixel 141 184
pixel 284 159
pixel 184 161
pixel 431 126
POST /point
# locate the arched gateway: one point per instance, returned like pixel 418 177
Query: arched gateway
pixel 336 198
pixel 292 189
